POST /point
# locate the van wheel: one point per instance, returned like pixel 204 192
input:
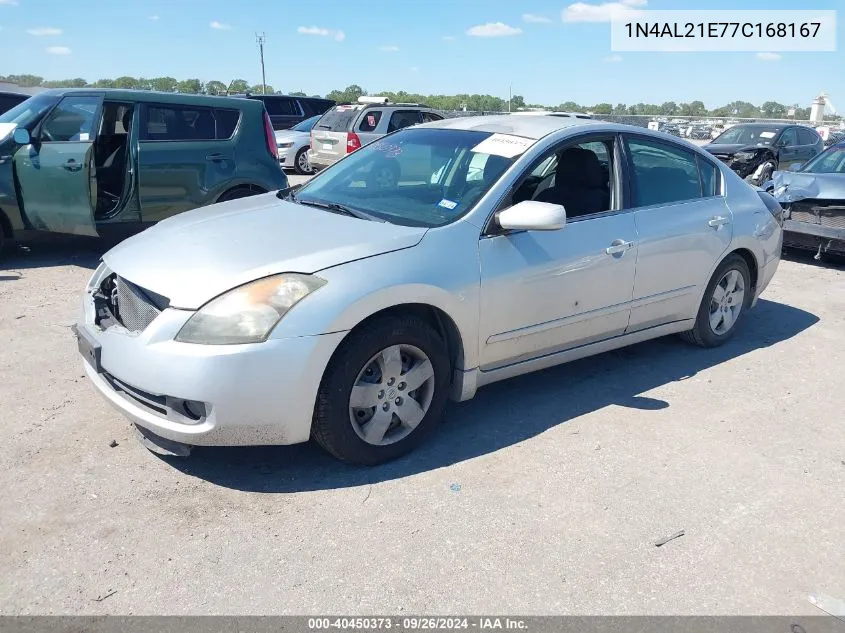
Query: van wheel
pixel 725 302
pixel 384 391
pixel 300 164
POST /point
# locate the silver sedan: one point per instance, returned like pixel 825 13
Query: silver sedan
pixel 350 309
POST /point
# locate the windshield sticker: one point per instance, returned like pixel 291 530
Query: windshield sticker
pixel 447 204
pixel 767 134
pixel 390 150
pixel 503 145
pixel 371 120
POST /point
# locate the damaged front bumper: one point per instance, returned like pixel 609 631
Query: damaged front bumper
pixel 815 224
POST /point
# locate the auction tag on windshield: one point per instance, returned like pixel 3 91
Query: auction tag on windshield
pixel 503 145
pixel 447 204
pixel 767 134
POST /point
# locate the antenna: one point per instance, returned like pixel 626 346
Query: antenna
pixel 260 39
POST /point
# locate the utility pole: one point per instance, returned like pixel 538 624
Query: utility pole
pixel 510 96
pixel 260 39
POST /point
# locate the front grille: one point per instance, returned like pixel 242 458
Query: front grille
pixel 830 213
pixel 132 306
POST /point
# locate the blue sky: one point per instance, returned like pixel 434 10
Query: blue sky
pixel 418 46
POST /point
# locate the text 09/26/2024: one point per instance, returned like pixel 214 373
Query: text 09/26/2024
pixel 721 31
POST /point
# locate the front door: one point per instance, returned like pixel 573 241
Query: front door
pixel 56 174
pixel 789 149
pixel 547 291
pixel 684 228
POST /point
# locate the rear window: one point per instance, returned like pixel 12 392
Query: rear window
pixel 280 106
pixel 187 123
pixel 806 136
pixel 338 119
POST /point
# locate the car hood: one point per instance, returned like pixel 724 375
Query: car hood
pixel 197 255
pixel 729 149
pixel 801 186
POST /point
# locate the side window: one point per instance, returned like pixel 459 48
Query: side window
pixel 789 138
pixel 428 117
pixel 177 123
pixel 279 107
pixel 369 120
pixel 578 176
pixel 71 120
pixel 709 177
pixel 227 121
pixel 662 174
pixel 806 136
pixel 402 119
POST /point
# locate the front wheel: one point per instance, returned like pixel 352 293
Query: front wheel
pixel 726 299
pixel 300 164
pixel 385 389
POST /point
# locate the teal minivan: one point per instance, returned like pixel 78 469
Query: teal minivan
pixel 84 160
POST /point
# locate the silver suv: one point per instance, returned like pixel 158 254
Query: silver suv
pixel 347 127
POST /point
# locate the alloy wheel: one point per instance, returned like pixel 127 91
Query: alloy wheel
pixel 727 302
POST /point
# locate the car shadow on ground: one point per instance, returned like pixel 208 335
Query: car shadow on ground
pixel 803 256
pixel 503 414
pixel 51 250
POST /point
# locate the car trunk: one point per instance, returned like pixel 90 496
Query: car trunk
pixel 330 135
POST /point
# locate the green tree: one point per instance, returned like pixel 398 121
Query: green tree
pixel 237 86
pixel 773 109
pixel 517 102
pixel 215 87
pixel 24 81
pixel 297 94
pixel 163 84
pixel 127 83
pixel 257 88
pixel 65 83
pixel 669 108
pixel 189 86
pixel 348 94
pixel 602 108
pixel 103 83
pixel 620 108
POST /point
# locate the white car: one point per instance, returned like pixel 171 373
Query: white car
pixel 293 145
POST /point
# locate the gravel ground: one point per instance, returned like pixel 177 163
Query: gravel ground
pixel 544 495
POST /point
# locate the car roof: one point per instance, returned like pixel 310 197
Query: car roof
pixel 153 96
pixel 528 126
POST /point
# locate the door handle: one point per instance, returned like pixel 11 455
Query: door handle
pixel 618 246
pixel 215 156
pixel 72 165
pixel 717 221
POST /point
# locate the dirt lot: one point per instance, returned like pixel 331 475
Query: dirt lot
pixel 545 494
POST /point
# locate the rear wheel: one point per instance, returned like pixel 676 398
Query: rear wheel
pixel 301 164
pixel 726 299
pixel 383 392
pixel 240 192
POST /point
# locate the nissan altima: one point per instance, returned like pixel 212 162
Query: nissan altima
pixel 350 309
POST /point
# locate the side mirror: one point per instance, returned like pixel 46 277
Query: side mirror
pixel 21 136
pixel 531 215
pixel 795 166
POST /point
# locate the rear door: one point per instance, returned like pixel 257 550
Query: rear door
pixel 789 148
pixel 186 157
pixel 55 172
pixel 684 227
pixel 329 135
pixel 810 145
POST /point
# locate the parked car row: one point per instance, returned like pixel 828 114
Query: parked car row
pixel 419 264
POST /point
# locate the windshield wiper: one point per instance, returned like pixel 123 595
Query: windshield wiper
pixel 289 193
pixel 341 209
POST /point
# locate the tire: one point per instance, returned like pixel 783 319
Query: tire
pixel 380 355
pixel 234 194
pixel 718 306
pixel 300 163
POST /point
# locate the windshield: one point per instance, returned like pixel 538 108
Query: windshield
pixel 417 177
pixel 306 125
pixel 28 111
pixel 830 161
pixel 747 135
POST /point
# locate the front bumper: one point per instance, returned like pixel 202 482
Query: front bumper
pixel 260 393
pixel 806 228
pixel 287 157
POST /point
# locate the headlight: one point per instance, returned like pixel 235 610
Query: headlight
pixel 285 145
pixel 744 155
pixel 249 313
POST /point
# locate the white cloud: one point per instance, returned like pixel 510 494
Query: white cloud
pixel 338 35
pixel 44 30
pixel 389 49
pixel 58 50
pixel 605 12
pixel 154 18
pixel 613 58
pixel 9 2
pixel 768 57
pixel 493 29
pixel 220 26
pixel 535 19
pixel 449 38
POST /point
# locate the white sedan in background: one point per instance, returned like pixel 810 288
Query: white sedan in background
pixel 293 146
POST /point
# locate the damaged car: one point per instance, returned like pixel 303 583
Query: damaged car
pixel 756 150
pixel 813 199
